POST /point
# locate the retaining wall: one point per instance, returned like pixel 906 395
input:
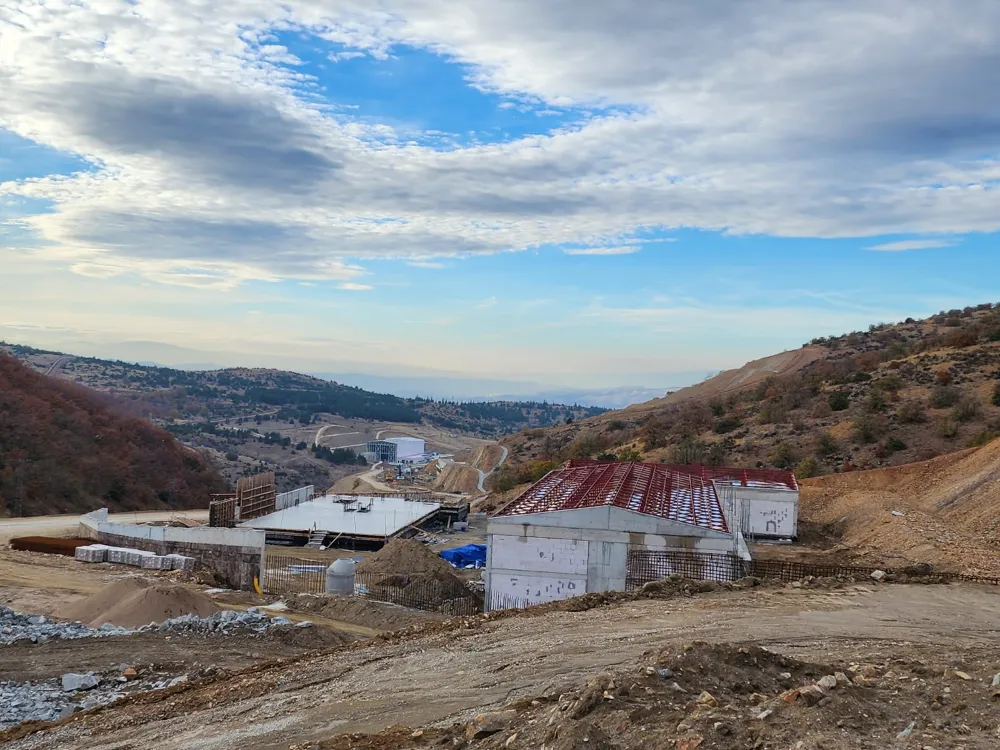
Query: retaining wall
pixel 233 556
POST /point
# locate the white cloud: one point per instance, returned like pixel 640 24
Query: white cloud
pixel 902 245
pixel 424 264
pixel 619 250
pixel 214 150
pixel 353 287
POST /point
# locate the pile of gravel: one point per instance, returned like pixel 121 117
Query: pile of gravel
pixel 58 698
pixel 15 626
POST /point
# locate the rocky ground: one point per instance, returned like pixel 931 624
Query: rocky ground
pixel 686 670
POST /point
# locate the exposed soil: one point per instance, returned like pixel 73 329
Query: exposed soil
pixel 359 611
pixel 945 511
pixel 406 556
pixel 442 674
pixel 134 603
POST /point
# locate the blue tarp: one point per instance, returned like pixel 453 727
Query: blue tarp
pixel 469 556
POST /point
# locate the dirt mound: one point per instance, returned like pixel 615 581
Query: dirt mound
pixel 359 611
pixel 945 511
pixel 95 605
pixel 405 556
pixel 407 573
pixel 728 697
pixel 738 379
pixel 486 457
pixel 133 603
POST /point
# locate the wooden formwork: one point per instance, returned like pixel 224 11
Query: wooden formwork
pixel 255 495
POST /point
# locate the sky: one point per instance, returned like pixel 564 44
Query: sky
pixel 577 194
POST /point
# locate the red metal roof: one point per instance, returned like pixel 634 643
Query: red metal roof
pixel 773 478
pixel 652 489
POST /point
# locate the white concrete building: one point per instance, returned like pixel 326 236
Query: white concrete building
pixel 591 527
pixel 766 500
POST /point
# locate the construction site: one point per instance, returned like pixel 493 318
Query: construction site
pixel 608 605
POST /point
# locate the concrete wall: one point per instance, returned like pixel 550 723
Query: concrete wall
pixel 548 556
pixel 293 497
pixel 233 556
pixel 767 512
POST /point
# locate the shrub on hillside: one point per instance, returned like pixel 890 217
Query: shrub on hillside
pixel 772 413
pixel 838 400
pixel 967 410
pixel 727 424
pixel 807 467
pixel 912 412
pixel 983 437
pixel 960 339
pixel 889 384
pixel 996 395
pixel 783 455
pixel 615 424
pixel 826 446
pixel 821 410
pixel 867 429
pixel 944 396
pixel 944 377
pixel 946 428
pixel 718 408
pixel 629 454
pixel 894 445
pixel 687 451
pixel 875 402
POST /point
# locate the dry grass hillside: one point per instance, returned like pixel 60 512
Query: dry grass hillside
pixel 945 511
pixel 63 450
pixel 891 395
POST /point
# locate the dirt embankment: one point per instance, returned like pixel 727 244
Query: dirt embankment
pixel 457 478
pixel 945 511
pixel 737 379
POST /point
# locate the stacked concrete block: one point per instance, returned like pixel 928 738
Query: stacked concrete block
pixel 93 553
pixel 156 562
pixel 118 555
pixel 181 562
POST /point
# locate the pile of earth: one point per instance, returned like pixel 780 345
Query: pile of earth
pixel 732 697
pixel 134 602
pixel 359 611
pixel 407 573
pixel 945 511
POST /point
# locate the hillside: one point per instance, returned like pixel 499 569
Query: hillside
pixel 184 396
pixel 890 395
pixel 945 511
pixel 63 450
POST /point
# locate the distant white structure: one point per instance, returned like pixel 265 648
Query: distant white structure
pixel 408 447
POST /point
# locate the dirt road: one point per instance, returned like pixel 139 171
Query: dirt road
pixel 66 525
pixel 448 676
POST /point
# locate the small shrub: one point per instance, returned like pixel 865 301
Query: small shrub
pixel 727 424
pixel 807 467
pixel 944 396
pixel 996 395
pixel 944 377
pixel 946 428
pixel 967 409
pixel 772 413
pixel 718 408
pixel 629 454
pixel 993 335
pixel 232 457
pixel 867 429
pixel 821 410
pixel 783 455
pixel 838 400
pixel 911 412
pixel 960 339
pixel 890 383
pixel 826 446
pixel 875 402
pixel 953 322
pixel 983 437
pixel 894 445
pixel 615 424
pixel 688 451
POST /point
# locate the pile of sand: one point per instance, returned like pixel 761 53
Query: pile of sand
pixel 406 557
pixel 360 611
pixel 132 603
pixel 947 510
pixel 407 573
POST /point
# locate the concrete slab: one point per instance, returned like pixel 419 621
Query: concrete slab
pixel 387 516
